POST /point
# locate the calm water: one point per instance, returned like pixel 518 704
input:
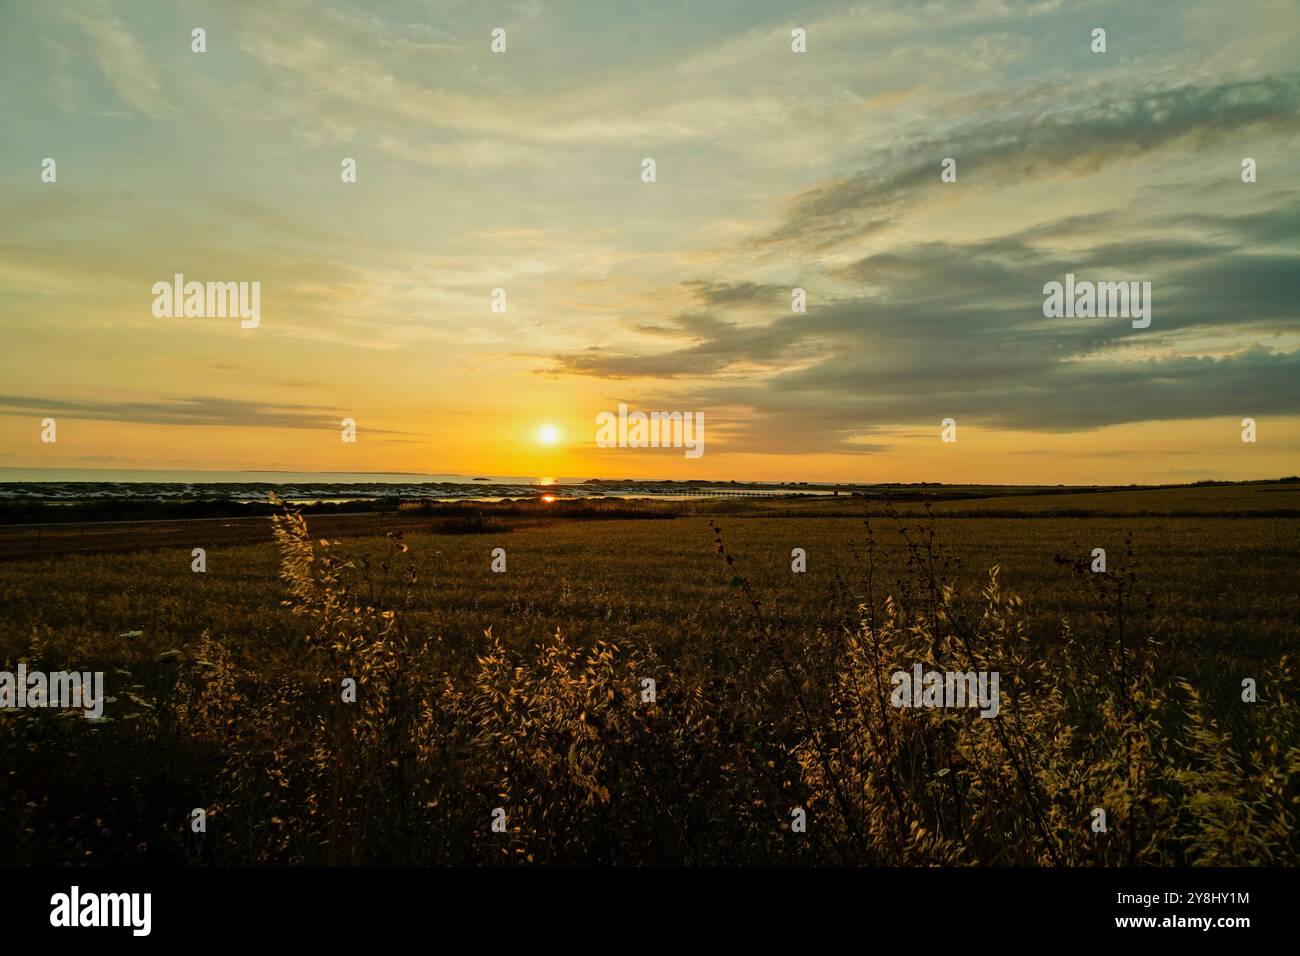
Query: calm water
pixel 162 476
pixel 75 484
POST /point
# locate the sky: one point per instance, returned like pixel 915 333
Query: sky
pixel 522 170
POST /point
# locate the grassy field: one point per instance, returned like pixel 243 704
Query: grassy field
pixel 523 689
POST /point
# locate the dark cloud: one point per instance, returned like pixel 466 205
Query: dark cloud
pixel 941 329
pixel 1029 145
pixel 184 411
pixel 938 329
pixel 1066 397
pixel 737 294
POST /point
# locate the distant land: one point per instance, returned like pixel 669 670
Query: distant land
pixel 67 486
pixel 49 519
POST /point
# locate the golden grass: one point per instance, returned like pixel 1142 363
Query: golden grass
pixel 770 696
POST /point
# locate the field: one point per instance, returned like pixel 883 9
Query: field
pixel 524 689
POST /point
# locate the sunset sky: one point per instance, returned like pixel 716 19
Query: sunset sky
pixel 775 170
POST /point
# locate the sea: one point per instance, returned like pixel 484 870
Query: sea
pixel 80 484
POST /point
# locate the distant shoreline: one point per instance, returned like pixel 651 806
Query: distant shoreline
pixel 36 527
pixel 17 482
pixel 60 501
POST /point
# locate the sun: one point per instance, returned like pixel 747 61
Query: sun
pixel 548 434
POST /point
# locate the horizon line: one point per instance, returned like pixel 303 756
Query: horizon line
pixel 507 479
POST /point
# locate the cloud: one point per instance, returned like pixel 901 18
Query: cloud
pixel 120 58
pixel 181 411
pixel 1069 141
pixel 942 329
pixel 819 170
pixel 713 293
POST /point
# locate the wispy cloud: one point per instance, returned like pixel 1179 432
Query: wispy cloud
pixel 199 410
pixel 1069 141
pixel 120 57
